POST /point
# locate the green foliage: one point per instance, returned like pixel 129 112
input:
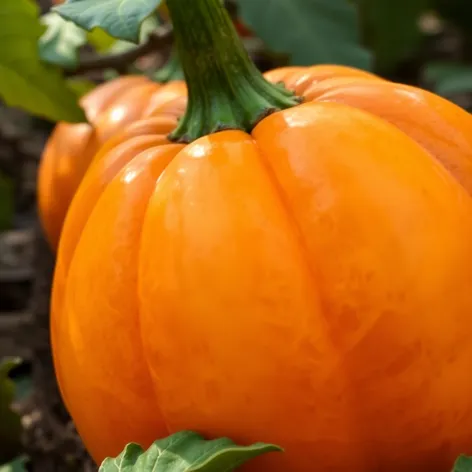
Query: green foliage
pixel 10 424
pixel 25 81
pixel 80 86
pixel 449 78
pixel 463 464
pixel 61 41
pixel 312 32
pixel 17 465
pixel 119 18
pixel 145 29
pixel 392 29
pixel 120 46
pixel 185 452
pixel 100 40
pixel 6 202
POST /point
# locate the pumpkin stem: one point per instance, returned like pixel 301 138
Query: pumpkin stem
pixel 225 88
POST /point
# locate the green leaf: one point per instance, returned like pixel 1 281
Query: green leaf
pixel 17 465
pixel 146 28
pixel 463 464
pixel 119 46
pixel 81 86
pixel 449 78
pixel 186 452
pixel 6 202
pixel 119 18
pixel 100 40
pixel 23 387
pixel 382 22
pixel 10 424
pixel 25 81
pixel 61 41
pixel 311 31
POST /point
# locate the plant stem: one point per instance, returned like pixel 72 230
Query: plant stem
pixel 226 90
pixel 156 41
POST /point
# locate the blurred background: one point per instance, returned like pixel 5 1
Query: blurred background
pixel 427 43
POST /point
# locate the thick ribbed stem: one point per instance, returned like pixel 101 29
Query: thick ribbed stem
pixel 226 90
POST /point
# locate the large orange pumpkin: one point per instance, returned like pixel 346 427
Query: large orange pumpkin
pixel 303 280
pixel 71 147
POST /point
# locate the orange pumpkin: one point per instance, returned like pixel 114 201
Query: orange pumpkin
pixel 302 279
pixel 71 147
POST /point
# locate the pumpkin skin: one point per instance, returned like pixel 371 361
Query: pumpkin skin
pixel 71 147
pixel 340 234
pixel 112 157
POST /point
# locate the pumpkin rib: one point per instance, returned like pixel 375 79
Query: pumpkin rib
pixel 431 122
pixel 103 96
pixel 88 193
pixel 119 208
pixel 299 79
pixel 357 429
pixel 124 109
pixel 439 126
pixel 162 102
pixel 152 125
pixel 90 190
pixel 317 89
pixel 281 73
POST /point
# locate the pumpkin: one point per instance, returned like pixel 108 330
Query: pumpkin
pixel 298 274
pixel 71 147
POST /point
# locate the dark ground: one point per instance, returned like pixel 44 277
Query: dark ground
pixel 26 264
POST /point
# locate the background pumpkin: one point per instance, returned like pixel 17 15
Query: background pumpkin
pixel 306 284
pixel 71 147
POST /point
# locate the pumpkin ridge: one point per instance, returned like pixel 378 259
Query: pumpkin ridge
pixel 356 419
pixel 111 214
pixel 138 285
pixel 448 143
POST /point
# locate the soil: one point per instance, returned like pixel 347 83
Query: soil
pixel 50 441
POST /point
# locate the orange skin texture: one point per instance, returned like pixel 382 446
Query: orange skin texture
pixel 71 147
pixel 307 284
pixel 112 157
pixel 299 79
pixel 433 122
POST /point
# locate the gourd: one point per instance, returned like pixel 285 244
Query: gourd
pixel 71 147
pixel 286 272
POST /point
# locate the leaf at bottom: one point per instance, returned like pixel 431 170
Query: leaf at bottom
pixel 186 452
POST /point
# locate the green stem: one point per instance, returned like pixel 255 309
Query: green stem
pixel 172 69
pixel 226 90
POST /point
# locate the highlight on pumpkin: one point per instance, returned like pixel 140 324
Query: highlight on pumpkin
pixel 254 249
